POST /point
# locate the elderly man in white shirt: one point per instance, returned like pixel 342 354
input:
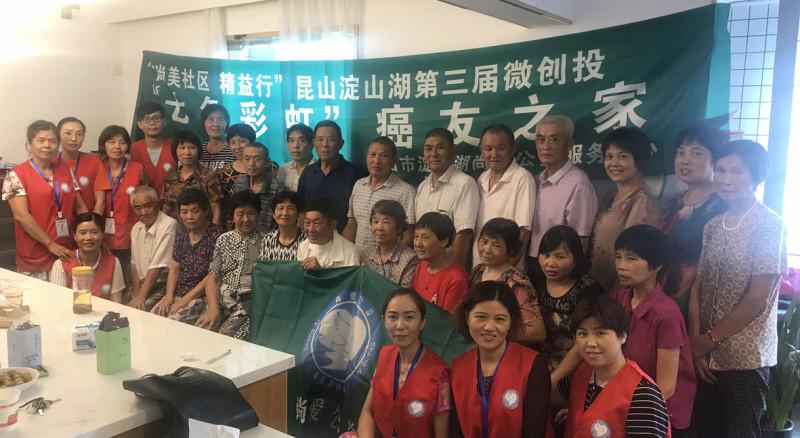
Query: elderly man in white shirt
pixel 325 247
pixel 152 240
pixel 449 191
pixel 506 189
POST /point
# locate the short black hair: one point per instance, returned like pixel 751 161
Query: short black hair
pixel 89 216
pixel 385 141
pixel 649 244
pixel 411 293
pixel 147 108
pixel 288 195
pixel 39 126
pixel 329 124
pixel 303 129
pixel 630 140
pixel 325 206
pixel 392 209
pixel 710 138
pixel 263 147
pixel 186 137
pixel 506 230
pixel 191 196
pixel 241 130
pixel 110 132
pixel 499 128
pixel 245 198
pixel 564 234
pixel 753 155
pixel 442 133
pixel 69 119
pixel 212 108
pixel 488 291
pixel 441 225
pixel 609 313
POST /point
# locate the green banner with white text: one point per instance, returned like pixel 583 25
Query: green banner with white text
pixel 330 320
pixel 659 75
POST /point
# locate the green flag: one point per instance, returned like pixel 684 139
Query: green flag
pixel 659 75
pixel 330 320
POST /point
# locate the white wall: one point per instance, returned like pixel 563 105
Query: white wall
pixel 181 35
pixel 50 68
pixel 397 28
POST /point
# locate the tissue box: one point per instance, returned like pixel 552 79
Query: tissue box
pixel 25 346
pixel 113 350
pixel 83 336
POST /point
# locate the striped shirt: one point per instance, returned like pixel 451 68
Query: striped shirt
pixel 218 160
pixel 273 249
pixel 269 189
pixel 364 198
pixel 455 194
pixel 400 266
pixel 647 413
pixel 289 176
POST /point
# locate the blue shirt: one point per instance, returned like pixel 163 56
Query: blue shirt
pixel 337 185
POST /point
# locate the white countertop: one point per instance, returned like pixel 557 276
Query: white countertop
pixel 95 405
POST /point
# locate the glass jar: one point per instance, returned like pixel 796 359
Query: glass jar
pixel 82 278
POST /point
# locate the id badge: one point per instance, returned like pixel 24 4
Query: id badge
pixel 110 227
pixel 62 229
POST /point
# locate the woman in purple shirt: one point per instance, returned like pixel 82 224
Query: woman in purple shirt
pixel 657 336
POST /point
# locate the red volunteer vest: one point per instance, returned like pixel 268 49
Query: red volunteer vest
pixel 103 275
pixel 412 414
pixel 124 216
pixel 507 392
pixel 155 174
pixel 607 415
pixel 87 172
pixel 31 255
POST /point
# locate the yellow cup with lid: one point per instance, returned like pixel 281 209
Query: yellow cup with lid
pixel 82 278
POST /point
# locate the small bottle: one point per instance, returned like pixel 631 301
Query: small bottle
pixel 82 278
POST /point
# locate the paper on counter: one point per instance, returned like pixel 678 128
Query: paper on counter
pixel 201 429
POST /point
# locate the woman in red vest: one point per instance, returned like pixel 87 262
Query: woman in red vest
pixel 87 168
pixel 410 394
pixel 44 200
pixel 108 281
pixel 501 389
pixel 154 151
pixel 123 177
pixel 610 396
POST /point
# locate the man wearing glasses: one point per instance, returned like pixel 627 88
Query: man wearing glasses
pixel 153 151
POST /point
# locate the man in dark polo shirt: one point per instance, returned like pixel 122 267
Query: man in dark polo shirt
pixel 332 176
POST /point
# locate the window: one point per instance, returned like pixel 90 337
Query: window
pixel 753 28
pixel 269 47
pixel 791 208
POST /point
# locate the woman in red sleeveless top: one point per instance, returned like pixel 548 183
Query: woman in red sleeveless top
pixel 43 196
pixel 86 168
pixel 501 389
pixel 410 394
pixel 123 176
pixel 108 281
pixel 610 396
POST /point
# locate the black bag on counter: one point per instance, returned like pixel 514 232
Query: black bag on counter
pixel 195 393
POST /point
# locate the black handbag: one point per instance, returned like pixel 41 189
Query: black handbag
pixel 195 393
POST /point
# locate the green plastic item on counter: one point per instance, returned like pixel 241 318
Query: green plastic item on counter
pixel 113 340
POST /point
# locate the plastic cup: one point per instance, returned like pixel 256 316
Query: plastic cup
pixel 9 403
pixel 14 296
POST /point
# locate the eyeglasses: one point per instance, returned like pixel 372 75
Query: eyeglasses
pixel 152 119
